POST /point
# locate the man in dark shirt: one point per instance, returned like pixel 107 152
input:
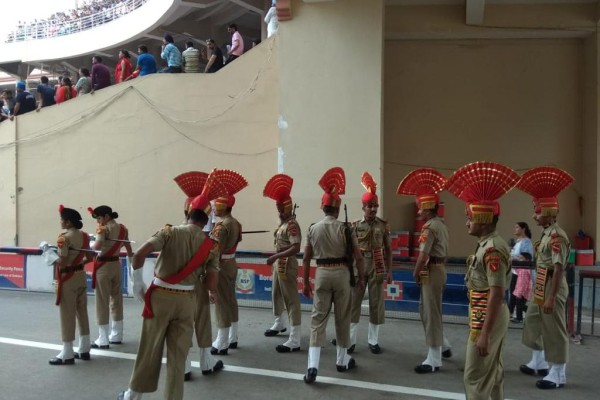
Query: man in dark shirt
pixel 45 93
pixel 100 74
pixel 215 62
pixel 25 101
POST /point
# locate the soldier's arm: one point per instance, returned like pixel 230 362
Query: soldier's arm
pixel 559 252
pixel 495 301
pixel 139 257
pixel 308 254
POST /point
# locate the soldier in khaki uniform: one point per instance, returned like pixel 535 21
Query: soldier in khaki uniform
pixel 107 279
pixel 228 233
pixel 326 242
pixel 373 234
pixel 71 294
pixel 285 273
pixel 192 183
pixel 430 268
pixel 185 254
pixel 480 184
pixel 545 329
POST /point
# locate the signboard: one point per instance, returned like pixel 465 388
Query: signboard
pixel 12 271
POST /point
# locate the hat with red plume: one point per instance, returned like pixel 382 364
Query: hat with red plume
pixel 333 184
pixel 371 188
pixel 191 183
pixel 213 188
pixel 279 188
pixel 425 184
pixel 233 182
pixel 544 184
pixel 480 185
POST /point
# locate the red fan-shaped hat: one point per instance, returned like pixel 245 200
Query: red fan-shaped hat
pixel 333 184
pixel 279 188
pixel 425 184
pixel 212 189
pixel 233 182
pixel 191 183
pixel 370 186
pixel 480 185
pixel 544 184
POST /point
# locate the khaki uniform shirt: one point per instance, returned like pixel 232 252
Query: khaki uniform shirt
pixel 434 238
pixel 177 246
pixel 553 248
pixel 327 239
pixel 371 235
pixel 228 233
pixel 489 266
pixel 109 231
pixel 287 235
pixel 69 240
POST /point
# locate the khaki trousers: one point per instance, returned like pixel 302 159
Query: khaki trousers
pixel 548 332
pixel 376 297
pixel 484 376
pixel 173 322
pixel 226 308
pixel 285 292
pixel 332 286
pixel 202 323
pixel 430 305
pixel 109 282
pixel 73 307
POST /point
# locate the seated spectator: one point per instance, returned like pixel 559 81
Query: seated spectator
pixel 45 93
pixel 25 101
pixel 100 74
pixel 146 64
pixel 215 60
pixel 171 53
pixel 123 69
pixel 84 84
pixel 191 58
pixel 66 91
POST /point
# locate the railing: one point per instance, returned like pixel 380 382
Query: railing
pixel 66 25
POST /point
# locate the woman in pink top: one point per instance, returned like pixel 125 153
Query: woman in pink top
pixel 521 282
pixel 123 68
pixel 65 92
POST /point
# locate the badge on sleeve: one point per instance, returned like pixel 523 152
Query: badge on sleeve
pixel 424 235
pixel 555 242
pixel 492 259
pixel 61 241
pixel 292 229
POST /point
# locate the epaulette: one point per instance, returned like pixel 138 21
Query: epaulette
pixel 168 229
pixel 62 241
pixel 381 220
pixel 426 224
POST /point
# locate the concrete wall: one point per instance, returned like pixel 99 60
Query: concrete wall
pixel 331 61
pixel 123 145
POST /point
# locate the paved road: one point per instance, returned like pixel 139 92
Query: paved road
pixel 29 336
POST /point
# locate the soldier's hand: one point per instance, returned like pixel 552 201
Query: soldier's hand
pixel 307 291
pixel 417 277
pixel 548 306
pixel 482 345
pixel 212 297
pixel 389 276
pixel 271 260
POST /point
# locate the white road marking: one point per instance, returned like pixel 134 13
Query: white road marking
pixel 266 372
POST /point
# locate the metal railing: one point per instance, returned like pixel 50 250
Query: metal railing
pixel 63 23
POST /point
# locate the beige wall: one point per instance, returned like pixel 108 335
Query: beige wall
pixel 448 103
pixel 331 63
pixel 124 145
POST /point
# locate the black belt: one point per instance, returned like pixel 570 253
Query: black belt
pixel 437 260
pixel 106 259
pixel 71 268
pixel 324 261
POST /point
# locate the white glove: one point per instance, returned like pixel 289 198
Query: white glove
pixel 139 287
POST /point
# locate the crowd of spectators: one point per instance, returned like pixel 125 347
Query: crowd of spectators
pixel 90 14
pixel 191 60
